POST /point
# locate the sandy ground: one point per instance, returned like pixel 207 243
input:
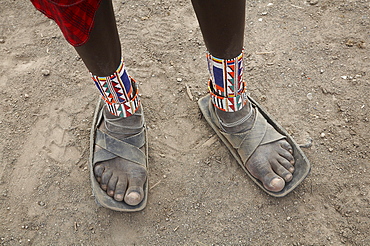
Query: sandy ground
pixel 307 62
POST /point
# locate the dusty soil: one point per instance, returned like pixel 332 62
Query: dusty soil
pixel 307 62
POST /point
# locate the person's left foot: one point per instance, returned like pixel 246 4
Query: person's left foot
pixel 271 163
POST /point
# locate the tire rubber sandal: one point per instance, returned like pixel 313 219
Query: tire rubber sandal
pixel 265 130
pixel 111 147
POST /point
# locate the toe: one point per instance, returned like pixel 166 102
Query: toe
pixel 273 182
pixel 98 171
pixel 263 171
pixel 285 145
pixel 107 174
pixel 120 189
pixel 134 196
pixel 135 193
pixel 281 171
pixel 287 155
pixel 112 185
pixel 286 164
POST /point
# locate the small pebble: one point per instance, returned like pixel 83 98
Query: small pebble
pixel 179 79
pixel 2 40
pixel 361 45
pixel 313 2
pixel 45 72
pixel 343 77
pixel 322 135
pixel 350 43
pixel 288 218
pixel 309 96
pixel 331 149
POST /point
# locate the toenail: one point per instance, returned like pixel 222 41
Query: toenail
pixel 277 183
pixel 133 195
pixel 291 169
pixel 119 197
pixel 111 193
pixel 133 198
pixel 288 177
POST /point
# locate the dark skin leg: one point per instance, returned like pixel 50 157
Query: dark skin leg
pixel 100 54
pixel 120 178
pixel 222 25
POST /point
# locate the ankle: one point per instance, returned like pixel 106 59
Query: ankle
pixel 232 117
pixel 119 91
pixel 226 85
pixel 122 127
pixel 237 121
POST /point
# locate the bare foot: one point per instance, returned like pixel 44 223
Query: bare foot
pixel 121 179
pixel 271 163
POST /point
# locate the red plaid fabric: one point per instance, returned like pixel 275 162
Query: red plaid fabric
pixel 74 17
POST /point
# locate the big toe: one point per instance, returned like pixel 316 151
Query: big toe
pixel 274 183
pixel 134 195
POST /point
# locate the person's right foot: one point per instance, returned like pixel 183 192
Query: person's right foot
pixel 121 179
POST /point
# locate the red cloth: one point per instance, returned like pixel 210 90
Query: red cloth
pixel 74 17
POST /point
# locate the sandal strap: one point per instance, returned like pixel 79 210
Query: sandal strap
pixel 247 142
pixel 261 133
pixel 103 155
pixel 137 140
pixel 253 136
pixel 128 149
